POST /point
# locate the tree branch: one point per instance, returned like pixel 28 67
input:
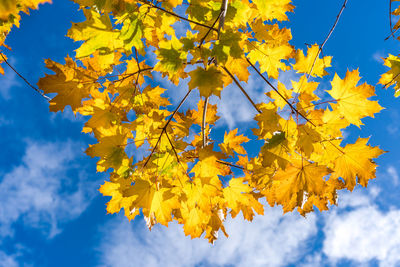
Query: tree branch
pixel 203 125
pixel 242 89
pixel 321 46
pixel 166 125
pixel 209 30
pixel 23 78
pixel 178 16
pixel 224 9
pixel 392 32
pixel 276 90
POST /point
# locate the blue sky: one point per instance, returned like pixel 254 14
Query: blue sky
pixel 51 213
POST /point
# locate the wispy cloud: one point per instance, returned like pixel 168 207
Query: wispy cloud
pixel 8 81
pixel 392 172
pixel 270 240
pixel 8 260
pixel 45 190
pixel 378 56
pixel 363 233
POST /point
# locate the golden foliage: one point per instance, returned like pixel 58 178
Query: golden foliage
pixel 295 157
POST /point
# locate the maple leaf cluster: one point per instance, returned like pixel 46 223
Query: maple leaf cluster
pixel 392 76
pixel 187 176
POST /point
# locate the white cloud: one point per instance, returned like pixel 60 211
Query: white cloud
pixel 378 56
pixel 46 190
pixel 270 240
pixel 393 127
pixel 8 81
pixel 363 232
pixel 392 171
pixel 234 107
pixel 8 260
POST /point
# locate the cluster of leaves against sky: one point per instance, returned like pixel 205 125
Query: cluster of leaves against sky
pixel 186 175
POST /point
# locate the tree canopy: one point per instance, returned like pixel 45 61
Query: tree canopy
pixel 188 174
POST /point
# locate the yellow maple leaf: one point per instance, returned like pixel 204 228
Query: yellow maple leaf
pixel 197 115
pixel 171 58
pixel 392 76
pixel 111 151
pixel 270 57
pixel 156 204
pixel 209 81
pixel 311 63
pixel 306 90
pixel 282 96
pixel 232 143
pixel 352 100
pixel 274 9
pixel 71 83
pixel 237 198
pixel 290 185
pixel 354 164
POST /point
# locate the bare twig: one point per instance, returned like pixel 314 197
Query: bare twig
pixel 178 16
pixel 203 125
pixel 166 125
pixel 209 30
pixel 242 89
pixel 321 46
pixel 293 108
pixel 232 165
pixel 23 78
pixel 224 8
pixel 392 32
pixel 172 145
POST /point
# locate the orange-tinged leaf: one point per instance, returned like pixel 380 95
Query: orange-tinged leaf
pixel 290 185
pixel 352 100
pixel 232 143
pixel 355 164
pixel 71 83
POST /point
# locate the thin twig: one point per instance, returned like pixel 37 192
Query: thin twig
pixel 178 16
pixel 209 30
pixel 321 46
pixel 203 125
pixel 392 32
pixel 23 78
pixel 166 125
pixel 242 89
pixel 173 147
pixel 224 9
pixel 232 165
pixel 276 90
pixel 390 17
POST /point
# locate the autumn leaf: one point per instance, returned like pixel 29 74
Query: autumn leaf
pixel 165 156
pixel 208 81
pixel 392 77
pixel 71 83
pixel 232 143
pixel 311 63
pixel 352 100
pixel 355 163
